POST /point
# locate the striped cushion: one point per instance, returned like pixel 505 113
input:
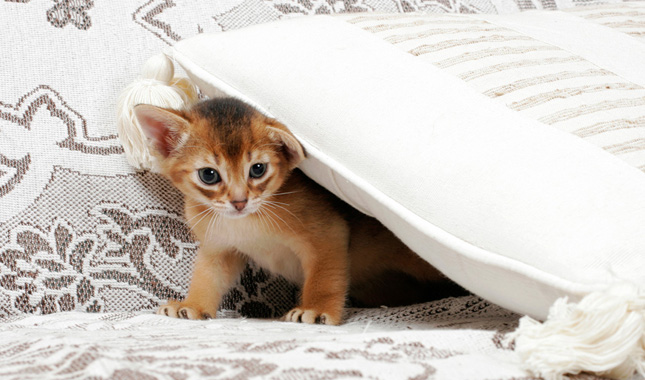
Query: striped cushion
pixel 508 151
pixel 540 79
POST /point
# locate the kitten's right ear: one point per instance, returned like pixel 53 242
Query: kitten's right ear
pixel 165 128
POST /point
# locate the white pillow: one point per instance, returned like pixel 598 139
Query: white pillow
pixel 477 139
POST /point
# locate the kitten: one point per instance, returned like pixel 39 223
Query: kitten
pixel 245 199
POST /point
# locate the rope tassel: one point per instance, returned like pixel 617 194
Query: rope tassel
pixel 603 334
pixel 157 86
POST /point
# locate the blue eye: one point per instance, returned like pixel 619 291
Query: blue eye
pixel 257 170
pixel 209 176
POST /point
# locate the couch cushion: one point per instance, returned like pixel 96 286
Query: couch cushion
pixel 505 150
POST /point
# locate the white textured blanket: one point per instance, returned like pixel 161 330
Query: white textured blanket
pixel 455 338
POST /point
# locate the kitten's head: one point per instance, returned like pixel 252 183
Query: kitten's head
pixel 221 153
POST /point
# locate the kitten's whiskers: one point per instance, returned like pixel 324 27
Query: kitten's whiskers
pixel 280 206
pixel 285 193
pixel 262 218
pixel 270 219
pixel 210 211
pixel 269 206
pixel 195 216
pixel 197 205
pixel 212 224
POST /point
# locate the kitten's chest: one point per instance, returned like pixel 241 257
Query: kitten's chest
pixel 266 249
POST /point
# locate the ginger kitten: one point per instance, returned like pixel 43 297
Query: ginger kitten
pixel 244 199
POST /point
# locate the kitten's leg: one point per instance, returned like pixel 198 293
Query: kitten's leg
pixel 325 287
pixel 214 273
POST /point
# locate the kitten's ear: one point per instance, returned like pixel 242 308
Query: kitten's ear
pixel 165 128
pixel 292 147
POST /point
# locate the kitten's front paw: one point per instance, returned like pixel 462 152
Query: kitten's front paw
pixel 310 316
pixel 176 309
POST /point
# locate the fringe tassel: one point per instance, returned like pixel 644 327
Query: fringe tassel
pixel 603 334
pixel 157 86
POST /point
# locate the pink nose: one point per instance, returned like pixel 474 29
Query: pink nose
pixel 239 205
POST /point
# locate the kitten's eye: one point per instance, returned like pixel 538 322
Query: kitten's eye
pixel 257 170
pixel 209 176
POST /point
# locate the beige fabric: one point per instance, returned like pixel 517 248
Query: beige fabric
pixel 540 80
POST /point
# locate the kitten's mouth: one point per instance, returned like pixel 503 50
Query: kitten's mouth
pixel 239 214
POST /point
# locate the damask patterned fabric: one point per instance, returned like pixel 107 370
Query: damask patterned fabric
pixel 381 344
pixel 82 232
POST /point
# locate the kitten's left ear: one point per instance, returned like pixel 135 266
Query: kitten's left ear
pixel 294 151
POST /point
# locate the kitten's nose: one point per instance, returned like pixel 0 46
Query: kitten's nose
pixel 239 205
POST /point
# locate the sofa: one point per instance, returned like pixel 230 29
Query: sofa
pixel 91 245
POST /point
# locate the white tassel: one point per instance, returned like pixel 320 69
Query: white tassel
pixel 157 86
pixel 603 334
